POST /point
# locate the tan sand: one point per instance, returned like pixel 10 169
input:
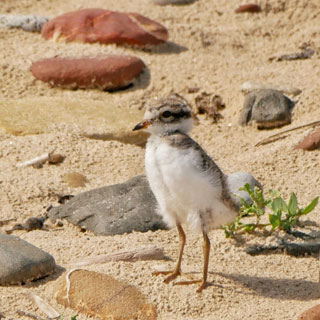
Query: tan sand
pixel 216 50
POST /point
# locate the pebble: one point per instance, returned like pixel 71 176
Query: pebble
pixel 30 23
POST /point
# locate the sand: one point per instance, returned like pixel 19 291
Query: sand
pixel 211 48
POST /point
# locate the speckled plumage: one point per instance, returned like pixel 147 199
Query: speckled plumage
pixel 189 186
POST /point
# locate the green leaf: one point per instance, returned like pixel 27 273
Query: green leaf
pixel 293 204
pixel 310 206
pixel 278 204
pixel 274 220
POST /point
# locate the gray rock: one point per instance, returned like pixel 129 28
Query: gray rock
pixel 25 22
pixel 20 261
pixel 237 180
pixel 268 108
pixel 116 209
pixel 174 2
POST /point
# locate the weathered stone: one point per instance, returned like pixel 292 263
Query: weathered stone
pixel 104 26
pixel 250 7
pixel 100 295
pixel 116 209
pixel 237 180
pixel 106 73
pixel 107 122
pixel 311 141
pixel 311 314
pixel 268 108
pixel 25 22
pixel 20 261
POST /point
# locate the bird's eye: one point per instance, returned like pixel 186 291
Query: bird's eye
pixel 166 114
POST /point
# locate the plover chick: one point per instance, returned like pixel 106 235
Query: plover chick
pixel 188 185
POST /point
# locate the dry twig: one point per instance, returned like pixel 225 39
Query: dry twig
pixel 43 306
pixel 278 136
pixel 145 253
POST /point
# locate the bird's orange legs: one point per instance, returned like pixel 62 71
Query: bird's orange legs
pixel 206 252
pixel 177 271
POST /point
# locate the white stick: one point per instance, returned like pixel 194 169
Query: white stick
pixel 44 306
pixel 41 159
pixel 249 86
pixel 145 253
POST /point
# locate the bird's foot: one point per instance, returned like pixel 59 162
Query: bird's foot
pixel 172 275
pixel 202 286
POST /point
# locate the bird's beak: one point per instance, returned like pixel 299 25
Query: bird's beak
pixel 142 125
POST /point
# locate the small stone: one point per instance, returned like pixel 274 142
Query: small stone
pixel 100 295
pixel 55 158
pixel 311 314
pixel 105 26
pixel 251 7
pixel 32 223
pixel 21 262
pixel 106 73
pixel 74 179
pixel 267 108
pixel 311 141
pixel 25 22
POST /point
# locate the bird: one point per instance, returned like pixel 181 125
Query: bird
pixel 190 189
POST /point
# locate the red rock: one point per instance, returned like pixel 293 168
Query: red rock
pixel 311 314
pixel 311 141
pixel 104 26
pixel 106 73
pixel 252 8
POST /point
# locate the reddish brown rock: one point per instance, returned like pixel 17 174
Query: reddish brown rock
pixel 251 7
pixel 106 73
pixel 311 314
pixel 311 141
pixel 104 26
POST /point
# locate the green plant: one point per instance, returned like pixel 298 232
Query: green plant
pixel 283 216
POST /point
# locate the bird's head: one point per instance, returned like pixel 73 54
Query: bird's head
pixel 167 115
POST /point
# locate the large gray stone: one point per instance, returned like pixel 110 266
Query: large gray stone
pixel 20 261
pixel 116 209
pixel 268 108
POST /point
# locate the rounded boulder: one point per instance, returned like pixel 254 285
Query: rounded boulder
pixel 106 73
pixel 105 26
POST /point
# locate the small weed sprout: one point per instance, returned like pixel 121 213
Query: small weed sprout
pixel 282 216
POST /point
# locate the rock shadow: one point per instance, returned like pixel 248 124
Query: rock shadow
pixel 59 270
pixel 282 289
pixel 168 47
pixel 141 82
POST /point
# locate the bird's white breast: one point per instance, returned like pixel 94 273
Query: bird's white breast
pixel 185 194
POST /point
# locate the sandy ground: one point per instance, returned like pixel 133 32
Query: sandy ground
pixel 216 50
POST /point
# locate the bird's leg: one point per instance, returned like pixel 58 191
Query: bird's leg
pixel 206 251
pixel 177 271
